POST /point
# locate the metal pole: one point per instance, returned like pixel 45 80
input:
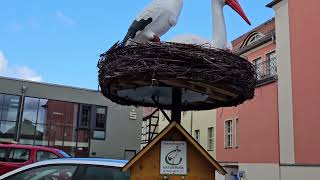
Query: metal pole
pixel 19 124
pixel 176 105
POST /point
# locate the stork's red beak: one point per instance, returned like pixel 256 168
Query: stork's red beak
pixel 234 4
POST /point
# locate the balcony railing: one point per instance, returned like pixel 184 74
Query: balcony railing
pixel 266 71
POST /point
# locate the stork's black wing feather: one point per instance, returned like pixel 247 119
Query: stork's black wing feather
pixel 135 27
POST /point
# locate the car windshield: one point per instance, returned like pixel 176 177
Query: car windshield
pixel 64 154
pixel 53 172
pixel 104 172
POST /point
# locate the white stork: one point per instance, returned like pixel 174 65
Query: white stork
pixel 219 26
pixel 154 21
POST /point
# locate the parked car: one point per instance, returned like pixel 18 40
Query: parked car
pixel 13 156
pixel 71 169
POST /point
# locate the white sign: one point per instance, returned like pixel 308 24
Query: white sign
pixel 133 115
pixel 173 158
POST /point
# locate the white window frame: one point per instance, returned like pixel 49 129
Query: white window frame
pixel 210 145
pixel 228 136
pixel 255 37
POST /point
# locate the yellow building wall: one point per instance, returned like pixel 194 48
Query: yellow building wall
pixel 196 120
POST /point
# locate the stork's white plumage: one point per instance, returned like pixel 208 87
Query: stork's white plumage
pixel 219 26
pixel 154 21
pixel 192 39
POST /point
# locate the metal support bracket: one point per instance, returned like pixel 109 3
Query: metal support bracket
pixel 163 112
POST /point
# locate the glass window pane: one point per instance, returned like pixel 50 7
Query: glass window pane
pixel 100 118
pixel 30 110
pixel 45 155
pixel 228 133
pixel 55 136
pixel 210 138
pixel 42 111
pixel 1 105
pixel 4 154
pixel 43 135
pixel 61 113
pixel 83 137
pixel 19 155
pixel 197 135
pixel 99 134
pixel 65 172
pixel 85 116
pixel 271 55
pixel 102 173
pixel 70 139
pixel 28 130
pixel 7 130
pixel 10 108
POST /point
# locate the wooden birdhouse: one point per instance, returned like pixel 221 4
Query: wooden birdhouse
pixel 173 154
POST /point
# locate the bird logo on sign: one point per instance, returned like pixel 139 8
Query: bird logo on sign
pixel 172 158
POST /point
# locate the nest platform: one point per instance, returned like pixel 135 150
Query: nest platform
pixel 147 74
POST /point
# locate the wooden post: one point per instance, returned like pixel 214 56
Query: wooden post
pixel 177 105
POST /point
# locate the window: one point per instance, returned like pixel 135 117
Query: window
pixel 43 111
pixel 1 102
pixel 102 173
pixel 19 155
pixel 29 118
pixel 100 123
pixel 197 135
pixel 237 133
pixel 272 63
pixel 258 67
pixel 256 62
pixel 85 116
pixel 253 38
pixel 45 155
pixel 4 154
pixel 100 118
pixel 210 139
pixel 52 123
pixel 228 134
pixel 48 122
pixel 65 172
pixel 9 108
pixel 271 56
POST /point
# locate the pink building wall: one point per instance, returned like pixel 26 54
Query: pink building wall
pixel 304 38
pixel 258 124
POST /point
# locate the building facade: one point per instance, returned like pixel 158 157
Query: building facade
pixel 274 136
pixel 297 26
pixel 79 121
pixel 247 135
pixel 200 124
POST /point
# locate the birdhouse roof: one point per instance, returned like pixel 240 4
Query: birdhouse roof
pixel 189 138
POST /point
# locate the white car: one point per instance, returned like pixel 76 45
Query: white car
pixel 71 169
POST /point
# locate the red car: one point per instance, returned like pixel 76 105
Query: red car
pixel 13 156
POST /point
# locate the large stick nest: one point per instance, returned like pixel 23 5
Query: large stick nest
pixel 208 78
